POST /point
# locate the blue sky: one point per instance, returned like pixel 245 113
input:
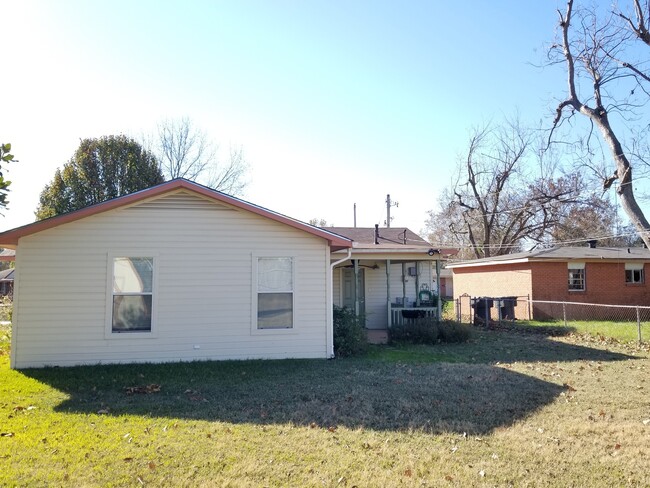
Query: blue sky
pixel 334 103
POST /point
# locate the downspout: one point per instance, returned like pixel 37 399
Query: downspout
pixel 439 304
pixel 330 304
pixel 13 355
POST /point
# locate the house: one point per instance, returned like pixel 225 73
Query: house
pixel 7 255
pixel 7 283
pixel 176 272
pixel 392 275
pixel 613 276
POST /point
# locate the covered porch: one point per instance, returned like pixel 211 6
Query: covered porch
pixel 388 291
pixel 391 277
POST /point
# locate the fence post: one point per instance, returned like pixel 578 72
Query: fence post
pixel 638 323
pixel 530 317
pixel 564 313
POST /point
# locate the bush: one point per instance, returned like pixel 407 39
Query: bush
pixel 450 331
pixel 349 336
pixel 429 331
pixel 6 309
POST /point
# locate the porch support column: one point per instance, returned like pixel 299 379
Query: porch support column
pixel 417 283
pixel 404 284
pixel 356 287
pixel 390 312
pixel 439 304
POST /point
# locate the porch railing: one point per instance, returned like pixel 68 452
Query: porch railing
pixel 403 315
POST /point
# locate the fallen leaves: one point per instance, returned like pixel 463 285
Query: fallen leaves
pixel 142 389
pixel 569 387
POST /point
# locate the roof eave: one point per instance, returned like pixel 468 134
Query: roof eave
pixel 11 237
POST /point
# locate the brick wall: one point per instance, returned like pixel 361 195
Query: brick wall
pixel 495 281
pixel 604 284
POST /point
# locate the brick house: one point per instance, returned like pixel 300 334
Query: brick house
pixel 613 276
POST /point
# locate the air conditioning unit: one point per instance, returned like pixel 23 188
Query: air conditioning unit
pixel 413 271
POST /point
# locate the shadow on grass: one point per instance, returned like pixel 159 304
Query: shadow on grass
pixel 366 392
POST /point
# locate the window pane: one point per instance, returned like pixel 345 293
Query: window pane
pixel 131 313
pixel 576 279
pixel 275 310
pixel 634 276
pixel 274 274
pixel 132 275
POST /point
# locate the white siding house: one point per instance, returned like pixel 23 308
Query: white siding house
pixel 177 272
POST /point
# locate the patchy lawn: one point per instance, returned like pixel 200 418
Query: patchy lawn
pixel 506 409
pixel 621 331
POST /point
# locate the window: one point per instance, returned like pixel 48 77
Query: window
pixel 274 293
pixel 576 276
pixel 634 273
pixel 132 294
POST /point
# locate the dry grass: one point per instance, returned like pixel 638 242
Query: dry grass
pixel 504 410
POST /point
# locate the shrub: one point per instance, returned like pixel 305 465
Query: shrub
pixel 451 331
pixel 349 336
pixel 417 331
pixel 6 308
pixel 429 331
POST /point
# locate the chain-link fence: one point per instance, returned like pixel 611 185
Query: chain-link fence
pixel 618 321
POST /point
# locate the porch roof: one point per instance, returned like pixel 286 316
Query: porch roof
pixel 395 243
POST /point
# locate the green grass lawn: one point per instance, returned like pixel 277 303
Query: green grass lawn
pixel 504 409
pixel 621 331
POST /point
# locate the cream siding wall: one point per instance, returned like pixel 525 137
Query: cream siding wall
pixel 204 286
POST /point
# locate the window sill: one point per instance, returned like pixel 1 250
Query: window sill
pixel 123 336
pixel 291 331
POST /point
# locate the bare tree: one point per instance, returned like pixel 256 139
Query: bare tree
pixel 501 197
pixel 185 151
pixel 605 80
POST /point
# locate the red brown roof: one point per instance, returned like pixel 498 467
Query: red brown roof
pixel 10 238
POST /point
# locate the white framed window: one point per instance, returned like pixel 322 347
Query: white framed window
pixel 131 297
pixel 634 273
pixel 577 277
pixel 273 280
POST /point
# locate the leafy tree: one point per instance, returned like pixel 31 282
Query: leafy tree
pixel 100 169
pixel 5 157
pixel 184 151
pixel 608 85
pixel 500 199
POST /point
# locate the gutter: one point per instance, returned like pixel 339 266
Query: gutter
pixel 330 305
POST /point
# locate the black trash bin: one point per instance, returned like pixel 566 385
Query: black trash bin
pixel 508 305
pixel 482 306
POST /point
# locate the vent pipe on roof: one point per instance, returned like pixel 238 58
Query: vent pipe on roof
pixel 376 233
pixel 592 243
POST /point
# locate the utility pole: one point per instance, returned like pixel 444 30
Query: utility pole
pixel 389 204
pixel 355 214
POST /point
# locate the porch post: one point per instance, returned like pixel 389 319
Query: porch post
pixel 390 312
pixel 356 287
pixel 417 283
pixel 439 304
pixel 403 284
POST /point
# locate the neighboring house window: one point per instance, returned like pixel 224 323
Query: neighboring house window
pixel 634 273
pixel 274 293
pixel 132 294
pixel 576 276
